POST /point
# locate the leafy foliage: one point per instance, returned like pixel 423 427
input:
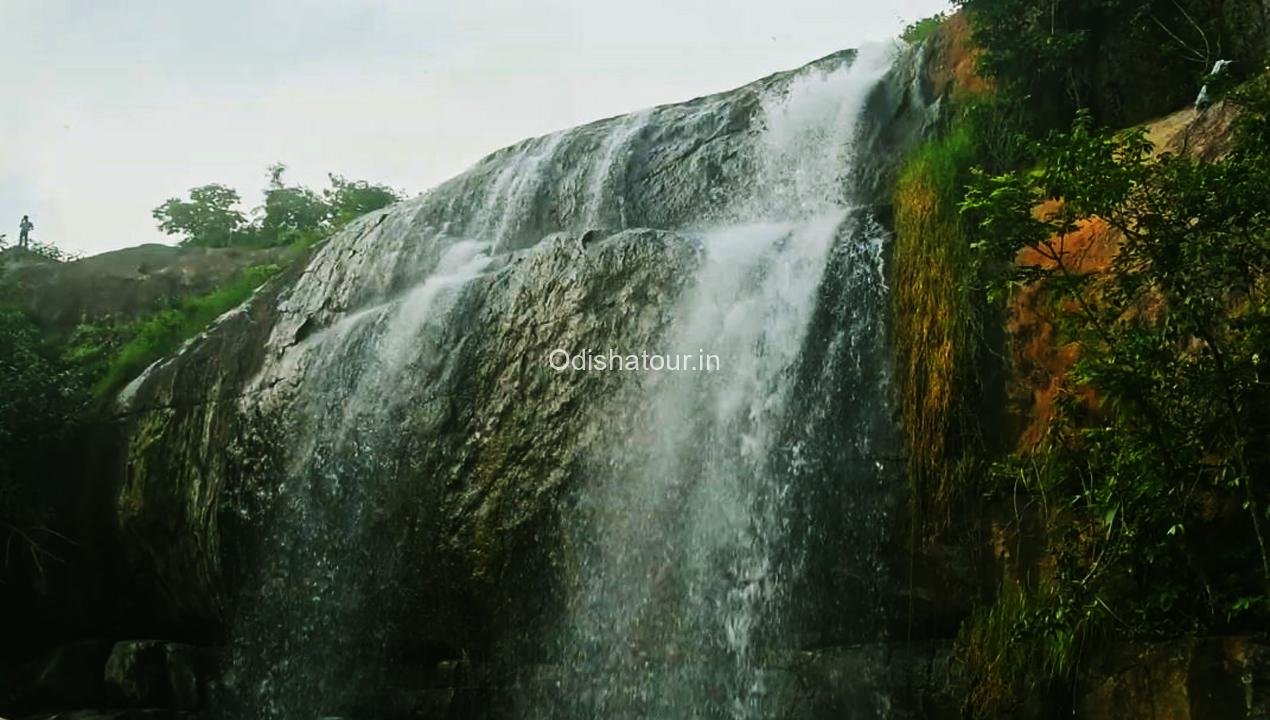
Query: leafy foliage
pixel 915 33
pixel 50 386
pixel 162 333
pixel 349 199
pixel 50 251
pixel 208 218
pixel 1019 649
pixel 1156 493
pixel 43 390
pixel 290 213
pixel 1125 59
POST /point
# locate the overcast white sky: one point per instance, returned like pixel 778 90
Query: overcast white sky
pixel 111 106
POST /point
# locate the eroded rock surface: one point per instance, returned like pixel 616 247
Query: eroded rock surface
pixel 372 458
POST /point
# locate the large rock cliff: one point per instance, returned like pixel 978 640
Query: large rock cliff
pixel 411 351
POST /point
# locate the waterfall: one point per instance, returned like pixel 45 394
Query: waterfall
pixel 309 636
pixel 685 539
pixel 696 514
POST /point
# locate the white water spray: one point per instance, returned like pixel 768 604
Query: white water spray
pixel 680 575
pixel 682 538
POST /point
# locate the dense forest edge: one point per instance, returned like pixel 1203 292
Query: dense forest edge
pixel 1083 322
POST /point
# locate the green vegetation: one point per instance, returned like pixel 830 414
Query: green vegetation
pixel 1152 502
pixel 1124 60
pixel 1173 339
pixel 162 333
pixel 1019 650
pixel 51 386
pixel 1146 500
pixel 52 383
pixel 45 391
pixel 208 218
pixel 915 33
pixel 940 307
pixel 937 322
pixel 291 214
pixel 49 251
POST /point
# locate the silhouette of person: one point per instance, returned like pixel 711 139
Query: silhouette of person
pixel 24 231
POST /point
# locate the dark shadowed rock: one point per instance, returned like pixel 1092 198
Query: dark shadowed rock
pixel 153 673
pixel 118 714
pixel 1198 679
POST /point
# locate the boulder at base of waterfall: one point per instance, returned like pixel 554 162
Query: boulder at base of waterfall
pixel 152 673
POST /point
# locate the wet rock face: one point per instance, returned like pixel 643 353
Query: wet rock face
pixel 151 673
pixel 67 675
pixel 374 458
pixel 1211 678
pixel 127 679
pixel 674 167
pixel 483 435
pixel 448 542
pixel 184 442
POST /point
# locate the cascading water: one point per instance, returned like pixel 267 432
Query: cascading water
pixel 685 542
pixel 695 523
pixel 310 632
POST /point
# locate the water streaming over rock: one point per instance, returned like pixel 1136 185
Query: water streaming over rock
pixel 612 544
pixel 685 538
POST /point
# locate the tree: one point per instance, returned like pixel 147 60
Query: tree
pixel 291 212
pixel 209 218
pixel 349 199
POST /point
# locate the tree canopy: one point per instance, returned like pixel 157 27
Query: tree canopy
pixel 210 216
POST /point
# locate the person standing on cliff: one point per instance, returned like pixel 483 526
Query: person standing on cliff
pixel 24 231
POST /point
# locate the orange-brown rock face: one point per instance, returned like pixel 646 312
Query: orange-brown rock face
pixel 1040 358
pixel 952 69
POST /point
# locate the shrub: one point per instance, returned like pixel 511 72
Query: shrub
pixel 42 394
